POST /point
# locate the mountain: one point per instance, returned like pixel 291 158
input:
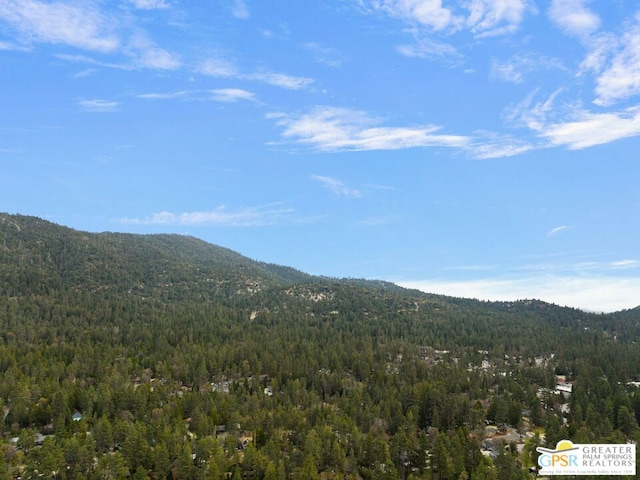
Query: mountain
pixel 66 257
pixel 39 257
pixel 183 359
pixel 43 260
pixel 48 256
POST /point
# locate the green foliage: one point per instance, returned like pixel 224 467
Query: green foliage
pixel 175 352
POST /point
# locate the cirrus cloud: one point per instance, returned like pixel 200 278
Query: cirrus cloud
pixel 226 95
pixel 621 78
pixel 339 129
pixel 557 230
pixel 222 216
pixel 222 68
pixel 590 129
pixel 78 25
pixel 97 105
pixel 149 4
pixel 336 186
pixel 483 18
pixel 490 18
pixel 231 95
pixel 85 26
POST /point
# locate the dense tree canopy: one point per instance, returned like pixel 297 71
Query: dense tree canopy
pixel 184 360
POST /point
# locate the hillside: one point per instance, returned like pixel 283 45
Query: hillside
pixel 124 262
pixel 174 352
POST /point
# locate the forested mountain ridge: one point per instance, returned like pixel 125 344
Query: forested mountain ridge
pixel 53 256
pixel 125 261
pixel 172 353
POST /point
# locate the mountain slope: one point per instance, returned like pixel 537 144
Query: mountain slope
pixel 42 258
pixel 54 256
pixel 39 256
pixel 154 339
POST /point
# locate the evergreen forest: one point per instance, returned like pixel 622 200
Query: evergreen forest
pixel 140 357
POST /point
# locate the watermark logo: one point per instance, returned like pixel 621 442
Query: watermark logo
pixel 570 458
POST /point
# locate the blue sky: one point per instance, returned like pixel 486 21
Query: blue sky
pixel 477 148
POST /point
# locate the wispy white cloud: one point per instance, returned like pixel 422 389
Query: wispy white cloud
pixel 557 230
pixel 621 78
pixel 531 113
pixel 590 129
pixel 83 25
pixel 571 126
pixel 140 53
pixel 79 25
pixel 343 129
pixel 574 17
pixel 92 61
pixel 87 72
pixel 377 186
pixel 218 67
pixel 600 47
pixel 218 95
pixel 625 264
pixel 336 186
pixel 165 96
pixel 148 55
pixel 493 146
pixel 149 4
pixel 489 18
pixel 240 9
pixel 279 80
pixel 573 268
pixel 335 129
pixel 223 68
pixel 482 18
pixel 97 105
pixel 231 95
pixel 432 22
pixel 221 216
pixel 614 59
pixel 324 55
pixel 429 13
pixel 604 293
pixel 506 71
pixel 425 47
pixel 514 69
pixel 590 285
